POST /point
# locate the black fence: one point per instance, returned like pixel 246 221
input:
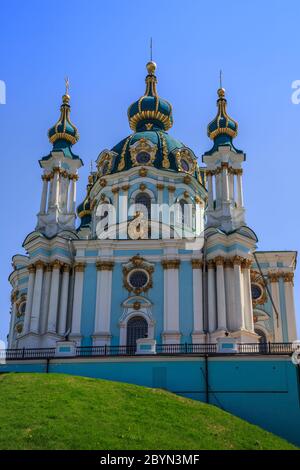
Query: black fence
pixel 210 349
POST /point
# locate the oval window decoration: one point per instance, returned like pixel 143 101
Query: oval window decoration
pixel 138 278
pixel 185 165
pixel 143 157
pixel 256 291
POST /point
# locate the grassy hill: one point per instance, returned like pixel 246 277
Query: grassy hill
pixel 53 411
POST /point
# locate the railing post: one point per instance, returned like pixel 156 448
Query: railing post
pixel 105 350
pixel 269 347
pixel 23 353
pixel 186 347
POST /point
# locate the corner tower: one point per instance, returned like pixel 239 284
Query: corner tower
pixel 58 200
pixel 224 171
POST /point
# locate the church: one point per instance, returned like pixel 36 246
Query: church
pixel 159 251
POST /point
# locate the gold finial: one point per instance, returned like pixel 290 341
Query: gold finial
pixel 66 97
pixel 151 67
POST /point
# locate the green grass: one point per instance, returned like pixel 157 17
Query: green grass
pixel 54 411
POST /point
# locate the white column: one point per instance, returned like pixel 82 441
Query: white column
pixel 77 299
pixel 103 303
pixel 225 183
pixel 64 190
pixel 239 196
pixel 44 195
pixel 197 300
pixel 273 277
pixel 238 294
pixel 12 322
pixel 37 297
pixel 210 190
pixel 211 288
pixel 248 307
pixel 290 306
pixel 55 187
pixel 231 184
pixel 29 299
pixel 115 192
pixel 54 293
pixel 218 179
pixel 230 299
pixel 171 190
pixel 123 211
pixel 72 194
pixel 221 296
pixel 171 334
pixel 64 296
pixel 45 299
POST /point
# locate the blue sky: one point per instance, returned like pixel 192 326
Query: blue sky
pixel 103 47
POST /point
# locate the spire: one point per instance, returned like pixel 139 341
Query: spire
pixel 64 132
pixel 150 111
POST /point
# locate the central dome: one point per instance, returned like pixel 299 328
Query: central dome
pixel 150 145
pixel 150 110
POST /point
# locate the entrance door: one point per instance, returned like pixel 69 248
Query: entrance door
pixel 137 327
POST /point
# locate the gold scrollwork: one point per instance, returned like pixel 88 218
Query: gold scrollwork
pixel 142 145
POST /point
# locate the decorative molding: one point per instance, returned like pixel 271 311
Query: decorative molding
pixel 79 267
pixel 247 263
pixel 171 188
pixel 143 172
pixel 237 260
pixel 228 263
pixel 288 277
pixel 125 187
pixel 143 186
pixel 31 268
pixel 160 186
pixel 105 265
pixel 171 263
pixel 211 264
pixel 197 264
pixel 219 260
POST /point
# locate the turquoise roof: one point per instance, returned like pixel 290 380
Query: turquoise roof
pixel 157 137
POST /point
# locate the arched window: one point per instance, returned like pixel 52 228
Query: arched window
pixel 143 200
pixel 137 327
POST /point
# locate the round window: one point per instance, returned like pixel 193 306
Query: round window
pixel 185 166
pixel 256 291
pixel 138 279
pixel 143 157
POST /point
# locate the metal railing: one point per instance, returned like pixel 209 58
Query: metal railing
pixel 210 349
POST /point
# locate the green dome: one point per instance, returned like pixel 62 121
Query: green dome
pixel 222 124
pixel 222 129
pixel 63 131
pixel 150 111
pixel 163 151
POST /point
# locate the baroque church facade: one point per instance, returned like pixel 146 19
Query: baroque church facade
pixel 122 274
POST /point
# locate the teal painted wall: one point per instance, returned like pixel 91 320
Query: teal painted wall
pixel 264 392
pixel 119 294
